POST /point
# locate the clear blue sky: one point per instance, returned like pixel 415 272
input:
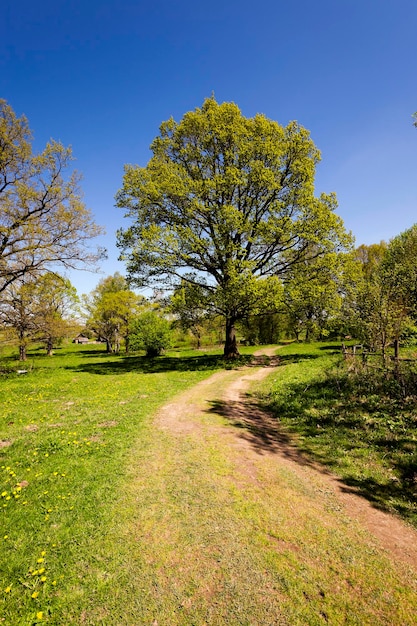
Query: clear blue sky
pixel 102 75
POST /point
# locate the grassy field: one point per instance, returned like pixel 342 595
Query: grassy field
pixel 67 427
pixel 108 520
pixel 360 426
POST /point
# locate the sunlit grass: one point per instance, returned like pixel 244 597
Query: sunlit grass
pixel 363 430
pixel 67 427
pixel 107 519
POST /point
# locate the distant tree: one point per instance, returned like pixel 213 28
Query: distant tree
pixel 265 328
pixel 190 303
pixel 231 199
pixel 316 291
pixel 54 303
pixel 40 309
pixel 111 307
pixel 43 221
pixel 150 332
pixel 16 313
pixel 386 296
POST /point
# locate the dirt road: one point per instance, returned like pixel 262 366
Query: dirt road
pixel 255 435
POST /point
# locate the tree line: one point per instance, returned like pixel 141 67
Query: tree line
pixel 223 220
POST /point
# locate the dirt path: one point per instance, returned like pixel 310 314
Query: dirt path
pixel 255 440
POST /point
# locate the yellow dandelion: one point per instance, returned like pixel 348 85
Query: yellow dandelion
pixel 43 579
pixel 8 589
pixel 39 615
pixel 41 560
pixel 35 594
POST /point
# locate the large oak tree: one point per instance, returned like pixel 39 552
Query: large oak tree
pixel 43 220
pixel 228 201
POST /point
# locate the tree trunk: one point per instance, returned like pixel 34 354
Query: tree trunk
pixel 397 358
pixel 22 352
pixel 22 346
pixel 230 345
pixel 49 347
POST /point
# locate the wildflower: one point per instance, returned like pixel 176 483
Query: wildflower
pixel 8 589
pixel 41 560
pixel 35 594
pixel 39 615
pixel 43 579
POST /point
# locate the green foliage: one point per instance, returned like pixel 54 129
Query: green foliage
pixel 43 221
pixel 409 333
pixel 190 304
pixel 316 291
pixel 387 294
pixel 41 309
pixel 111 308
pixel 230 199
pixel 150 332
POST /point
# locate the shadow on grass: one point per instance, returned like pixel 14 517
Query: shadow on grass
pixel 367 440
pixel 145 365
pixel 296 357
pixel 368 444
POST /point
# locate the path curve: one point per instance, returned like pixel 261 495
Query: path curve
pixel 225 393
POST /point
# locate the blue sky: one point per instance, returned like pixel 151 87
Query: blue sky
pixel 102 75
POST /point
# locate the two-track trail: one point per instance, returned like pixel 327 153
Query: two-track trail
pixel 238 527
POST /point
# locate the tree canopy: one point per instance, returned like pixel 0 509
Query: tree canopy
pixel 226 202
pixel 41 308
pixel 111 307
pixel 43 220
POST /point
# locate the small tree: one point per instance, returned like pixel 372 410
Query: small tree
pixel 191 304
pixel 150 332
pixel 56 302
pixel 111 307
pixel 16 313
pixel 41 309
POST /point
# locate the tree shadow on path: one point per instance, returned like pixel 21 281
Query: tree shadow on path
pixel 259 428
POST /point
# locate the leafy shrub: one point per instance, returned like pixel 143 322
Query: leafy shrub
pixel 150 332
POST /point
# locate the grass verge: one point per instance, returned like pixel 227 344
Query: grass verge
pixel 357 424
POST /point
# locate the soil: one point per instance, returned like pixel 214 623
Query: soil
pixel 260 435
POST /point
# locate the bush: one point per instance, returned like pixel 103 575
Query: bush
pixel 150 332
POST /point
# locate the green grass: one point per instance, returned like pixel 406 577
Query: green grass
pixel 357 424
pixel 67 427
pixel 108 520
